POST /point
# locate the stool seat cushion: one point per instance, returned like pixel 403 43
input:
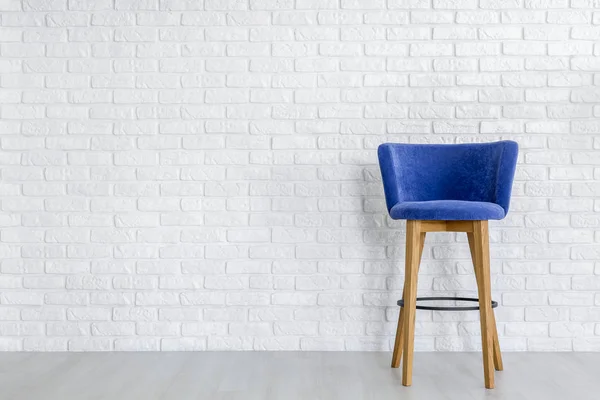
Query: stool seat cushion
pixel 447 210
pixel 448 181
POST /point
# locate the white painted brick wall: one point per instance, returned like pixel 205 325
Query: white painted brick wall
pixel 201 175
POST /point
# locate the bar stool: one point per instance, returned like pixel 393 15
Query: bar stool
pixel 447 188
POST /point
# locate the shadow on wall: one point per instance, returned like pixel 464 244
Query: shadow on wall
pixel 446 270
pixel 381 253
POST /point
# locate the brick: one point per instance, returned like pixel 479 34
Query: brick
pixel 166 159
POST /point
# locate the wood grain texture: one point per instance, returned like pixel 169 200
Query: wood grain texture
pixel 413 249
pixel 498 365
pixel 478 238
pixel 482 264
pixel 398 342
pixel 446 226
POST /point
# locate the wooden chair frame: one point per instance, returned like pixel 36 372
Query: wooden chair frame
pixel 478 237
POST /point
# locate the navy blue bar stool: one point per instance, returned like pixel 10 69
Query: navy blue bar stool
pixel 447 188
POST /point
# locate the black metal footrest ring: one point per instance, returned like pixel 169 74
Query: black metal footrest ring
pixel 454 308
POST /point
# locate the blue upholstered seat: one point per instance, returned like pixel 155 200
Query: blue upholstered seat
pixel 448 182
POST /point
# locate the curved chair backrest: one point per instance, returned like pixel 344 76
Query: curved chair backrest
pixel 470 172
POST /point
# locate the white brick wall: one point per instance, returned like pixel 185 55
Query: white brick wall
pixel 191 175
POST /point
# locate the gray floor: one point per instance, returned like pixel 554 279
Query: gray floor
pixel 292 375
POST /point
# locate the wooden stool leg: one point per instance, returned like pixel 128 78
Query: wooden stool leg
pixel 482 264
pixel 498 365
pixel 399 342
pixel 413 231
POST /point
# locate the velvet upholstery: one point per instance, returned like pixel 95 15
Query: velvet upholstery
pixel 448 181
